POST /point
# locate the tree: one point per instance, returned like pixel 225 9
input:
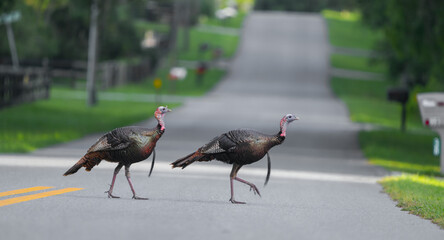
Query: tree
pixel 413 42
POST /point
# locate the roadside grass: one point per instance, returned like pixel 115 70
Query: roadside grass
pixel 346 30
pixel 367 103
pixel 27 127
pixel 420 195
pixel 409 152
pixel 357 63
pixel 388 147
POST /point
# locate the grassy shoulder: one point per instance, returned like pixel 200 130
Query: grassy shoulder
pixel 42 123
pixel 420 195
pixel 367 103
pixel 408 152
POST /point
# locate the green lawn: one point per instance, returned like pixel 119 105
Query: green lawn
pixel 357 63
pixel 235 22
pixel 186 87
pixel 346 30
pixel 420 195
pixel 367 102
pixel 409 152
pixel 227 43
pixel 30 126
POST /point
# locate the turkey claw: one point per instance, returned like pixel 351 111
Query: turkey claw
pixel 139 198
pixel 236 202
pixel 255 190
pixel 111 195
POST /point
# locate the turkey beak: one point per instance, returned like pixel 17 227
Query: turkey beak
pixel 296 118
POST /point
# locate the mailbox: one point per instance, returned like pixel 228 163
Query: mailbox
pixel 431 107
pixel 398 94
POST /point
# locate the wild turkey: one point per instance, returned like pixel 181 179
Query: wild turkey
pixel 239 147
pixel 126 145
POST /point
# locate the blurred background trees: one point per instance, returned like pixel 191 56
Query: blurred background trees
pixel 413 33
pixel 413 43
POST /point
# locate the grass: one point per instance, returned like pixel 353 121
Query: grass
pixel 31 126
pixel 186 87
pixel 346 30
pixel 367 103
pixel 228 44
pixel 409 152
pixel 357 63
pixel 420 195
pixel 235 22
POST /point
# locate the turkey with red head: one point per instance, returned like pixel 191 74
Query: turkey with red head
pixel 125 146
pixel 239 147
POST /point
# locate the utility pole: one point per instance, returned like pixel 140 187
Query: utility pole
pixel 13 49
pixel 186 24
pixel 92 58
pixel 173 33
pixel 7 19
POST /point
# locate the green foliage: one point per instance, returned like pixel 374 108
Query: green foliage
pixel 413 36
pixel 303 5
pixel 27 127
pixel 6 6
pixel 346 30
pixel 420 195
pixel 357 63
pixel 59 29
pixel 207 8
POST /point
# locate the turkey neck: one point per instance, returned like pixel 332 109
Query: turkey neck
pixel 160 122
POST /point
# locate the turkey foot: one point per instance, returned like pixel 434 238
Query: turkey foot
pixel 110 195
pixel 235 202
pixel 139 198
pixel 252 186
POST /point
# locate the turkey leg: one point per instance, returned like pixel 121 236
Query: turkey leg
pixel 233 176
pixel 128 177
pixel 110 191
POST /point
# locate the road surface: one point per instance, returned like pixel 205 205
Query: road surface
pixel 321 186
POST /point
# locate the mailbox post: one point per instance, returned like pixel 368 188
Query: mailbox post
pixel 401 95
pixel 431 106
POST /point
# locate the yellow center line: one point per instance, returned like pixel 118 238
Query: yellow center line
pixel 36 196
pixel 24 190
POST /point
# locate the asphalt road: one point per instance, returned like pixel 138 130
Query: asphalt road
pixel 321 187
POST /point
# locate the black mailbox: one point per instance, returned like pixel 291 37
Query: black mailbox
pixel 398 94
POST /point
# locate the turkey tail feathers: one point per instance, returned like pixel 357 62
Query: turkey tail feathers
pixel 187 160
pixel 152 162
pixel 76 167
pixel 268 169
